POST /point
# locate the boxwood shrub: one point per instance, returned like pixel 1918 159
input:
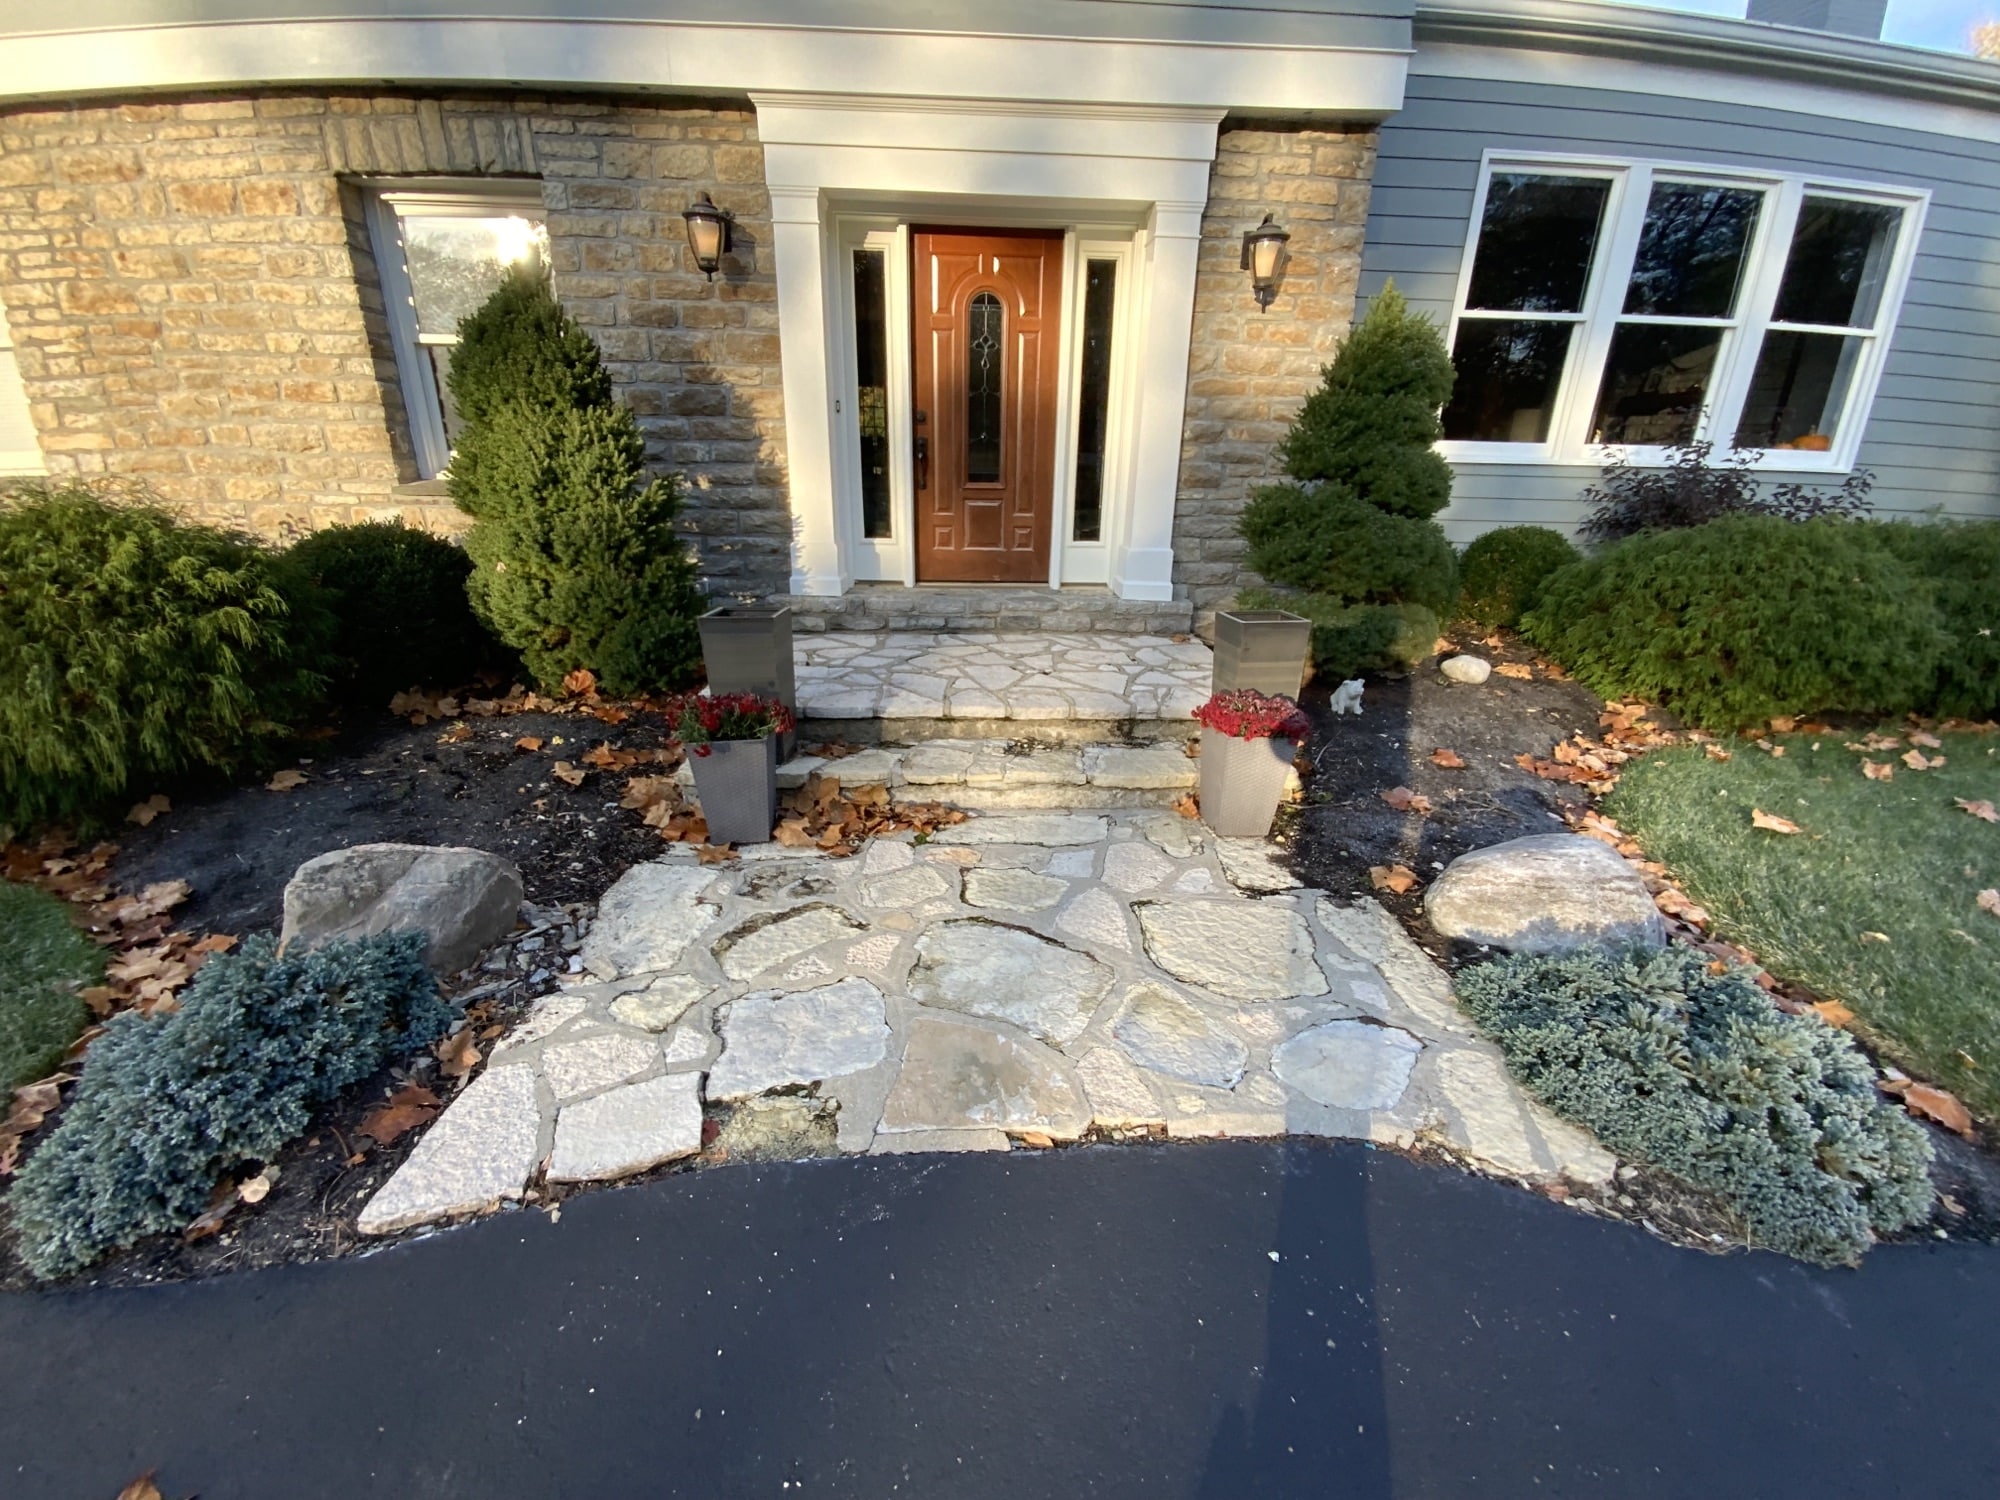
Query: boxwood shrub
pixel 1731 623
pixel 168 1104
pixel 1700 1075
pixel 135 648
pixel 402 616
pixel 1502 571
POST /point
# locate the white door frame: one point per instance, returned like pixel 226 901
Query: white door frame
pixel 840 165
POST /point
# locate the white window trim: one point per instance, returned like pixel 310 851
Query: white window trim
pixel 471 198
pixel 18 463
pixel 1624 215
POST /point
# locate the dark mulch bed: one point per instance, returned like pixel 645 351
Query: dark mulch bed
pixel 1345 827
pixel 385 780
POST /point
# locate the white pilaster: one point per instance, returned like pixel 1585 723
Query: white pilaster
pixel 1142 566
pixel 799 248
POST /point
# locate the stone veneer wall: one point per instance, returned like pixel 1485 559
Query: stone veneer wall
pixel 1248 372
pixel 194 302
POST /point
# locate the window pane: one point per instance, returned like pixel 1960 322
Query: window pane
pixel 1799 391
pixel 1536 240
pixel 455 264
pixel 1508 373
pixel 1839 260
pixel 1655 381
pixel 982 390
pixel 871 410
pixel 1691 250
pixel 1094 398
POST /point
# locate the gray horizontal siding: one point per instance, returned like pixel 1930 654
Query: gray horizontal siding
pixel 1933 437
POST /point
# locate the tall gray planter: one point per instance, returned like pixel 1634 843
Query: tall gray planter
pixel 1264 649
pixel 747 648
pixel 1241 782
pixel 737 784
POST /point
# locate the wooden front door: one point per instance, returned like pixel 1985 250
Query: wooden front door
pixel 985 323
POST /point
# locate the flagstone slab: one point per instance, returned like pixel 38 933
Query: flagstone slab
pixel 659 1004
pixel 1013 890
pixel 767 941
pixel 1177 836
pixel 1247 950
pixel 1252 865
pixel 1153 767
pixel 628 1130
pixel 574 1069
pixel 1343 1064
pixel 1120 1097
pixel 906 888
pixel 478 1152
pixel 775 1040
pixel 1047 829
pixel 648 918
pixel 1169 1034
pixel 982 968
pixel 1096 918
pixel 958 1075
pixel 1135 866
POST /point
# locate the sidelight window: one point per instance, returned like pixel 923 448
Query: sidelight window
pixel 1100 292
pixel 871 404
pixel 1638 305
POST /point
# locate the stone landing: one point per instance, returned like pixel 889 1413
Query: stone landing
pixel 902 686
pixel 1017 980
pixel 937 607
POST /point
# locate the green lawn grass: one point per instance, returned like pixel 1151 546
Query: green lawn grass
pixel 45 958
pixel 1898 859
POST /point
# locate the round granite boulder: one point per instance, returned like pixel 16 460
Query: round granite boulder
pixel 1550 893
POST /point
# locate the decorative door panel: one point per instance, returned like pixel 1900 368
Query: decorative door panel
pixel 985 325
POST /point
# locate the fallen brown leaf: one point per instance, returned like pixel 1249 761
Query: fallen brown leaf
pixel 1397 879
pixel 1916 760
pixel 458 1054
pixel 255 1189
pixel 1988 901
pixel 529 742
pixel 1937 1104
pixel 1040 1140
pixel 1515 670
pixel 568 774
pixel 1450 760
pixel 215 942
pixel 1877 770
pixel 1928 741
pixel 1715 751
pixel 285 781
pixel 1784 724
pixel 141 1488
pixel 144 813
pixel 1187 806
pixel 1771 821
pixel 1404 800
pixel 410 1106
pixel 581 682
pixel 1983 809
pixel 1832 1012
pixel 715 854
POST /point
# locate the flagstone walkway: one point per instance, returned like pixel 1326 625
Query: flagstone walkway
pixel 1017 979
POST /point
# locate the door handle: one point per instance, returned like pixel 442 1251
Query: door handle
pixel 923 463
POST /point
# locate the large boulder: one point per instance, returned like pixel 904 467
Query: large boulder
pixel 462 900
pixel 1549 893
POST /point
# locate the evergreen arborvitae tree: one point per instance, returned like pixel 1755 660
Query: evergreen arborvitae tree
pixel 1371 425
pixel 576 559
pixel 1352 533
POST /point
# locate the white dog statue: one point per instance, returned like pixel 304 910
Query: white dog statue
pixel 1347 697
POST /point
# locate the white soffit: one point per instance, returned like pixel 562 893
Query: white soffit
pixel 557 52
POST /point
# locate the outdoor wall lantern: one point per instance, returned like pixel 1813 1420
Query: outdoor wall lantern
pixel 1264 259
pixel 708 233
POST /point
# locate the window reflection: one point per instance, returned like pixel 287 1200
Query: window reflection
pixel 871 407
pixel 1094 399
pixel 983 357
pixel 1655 383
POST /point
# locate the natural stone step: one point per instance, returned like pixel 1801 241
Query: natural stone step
pixel 943 607
pixel 997 775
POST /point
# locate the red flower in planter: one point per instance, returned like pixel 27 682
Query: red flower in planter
pixel 699 719
pixel 1245 714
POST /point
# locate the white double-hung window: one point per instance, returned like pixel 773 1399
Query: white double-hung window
pixel 1639 304
pixel 442 250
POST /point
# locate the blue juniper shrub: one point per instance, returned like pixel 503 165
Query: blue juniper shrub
pixel 1700 1075
pixel 168 1104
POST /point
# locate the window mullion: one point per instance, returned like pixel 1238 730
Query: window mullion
pixel 1609 279
pixel 1736 363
